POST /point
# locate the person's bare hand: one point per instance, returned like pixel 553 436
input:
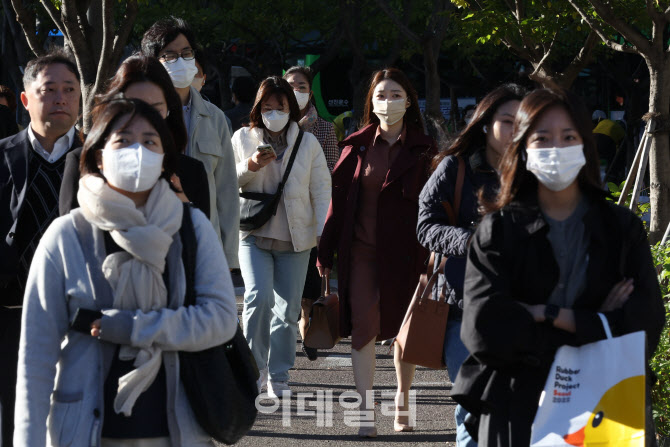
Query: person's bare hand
pixel 323 271
pixel 176 182
pixel 95 328
pixel 618 295
pixel 260 160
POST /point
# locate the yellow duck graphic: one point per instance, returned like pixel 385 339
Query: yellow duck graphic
pixel 617 420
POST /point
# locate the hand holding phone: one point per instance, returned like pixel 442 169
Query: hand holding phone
pixel 264 149
pixel 262 157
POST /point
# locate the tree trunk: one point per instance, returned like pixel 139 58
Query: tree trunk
pixel 87 102
pixel 659 157
pixel 432 78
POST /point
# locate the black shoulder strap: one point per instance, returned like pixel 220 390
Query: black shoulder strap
pixel 188 253
pixel 296 146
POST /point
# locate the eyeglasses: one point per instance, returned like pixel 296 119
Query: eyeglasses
pixel 170 56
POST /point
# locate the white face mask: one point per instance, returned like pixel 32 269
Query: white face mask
pixel 181 72
pixel 390 112
pixel 556 168
pixel 275 120
pixel 134 168
pixel 303 99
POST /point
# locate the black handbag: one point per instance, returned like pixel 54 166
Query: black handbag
pixel 256 208
pixel 220 382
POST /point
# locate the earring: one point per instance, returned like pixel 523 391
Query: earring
pixel 485 129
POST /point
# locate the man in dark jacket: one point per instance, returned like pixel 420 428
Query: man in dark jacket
pixel 31 169
pixel 244 91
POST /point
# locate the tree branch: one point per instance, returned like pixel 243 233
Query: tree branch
pixel 411 35
pixel 545 58
pixel 639 44
pixel 107 44
pixel 580 61
pixel 54 14
pixel 124 31
pixel 27 21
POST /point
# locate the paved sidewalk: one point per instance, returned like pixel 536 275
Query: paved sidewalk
pixel 321 384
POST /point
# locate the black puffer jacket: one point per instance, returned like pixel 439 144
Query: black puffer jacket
pixel 433 228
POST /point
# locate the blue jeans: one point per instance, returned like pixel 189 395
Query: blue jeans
pixel 455 354
pixel 273 283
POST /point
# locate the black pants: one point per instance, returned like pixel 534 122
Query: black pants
pixel 10 332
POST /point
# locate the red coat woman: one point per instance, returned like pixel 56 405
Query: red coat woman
pixel 371 225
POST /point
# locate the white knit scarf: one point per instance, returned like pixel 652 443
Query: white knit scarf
pixel 136 273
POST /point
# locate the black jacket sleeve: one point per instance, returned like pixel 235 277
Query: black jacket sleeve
pixel 496 329
pixel 644 310
pixel 193 179
pixel 434 230
pixel 67 199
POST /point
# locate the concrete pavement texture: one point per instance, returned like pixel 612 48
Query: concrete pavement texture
pixel 319 411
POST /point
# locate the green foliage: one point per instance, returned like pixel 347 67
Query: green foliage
pixel 615 193
pixel 660 362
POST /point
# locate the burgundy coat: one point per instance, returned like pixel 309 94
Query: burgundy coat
pixel 400 257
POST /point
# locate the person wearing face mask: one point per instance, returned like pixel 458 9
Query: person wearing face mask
pixel 274 257
pixel 479 148
pixel 117 261
pixel 371 226
pixel 300 78
pixel 144 78
pixel 551 254
pixel 172 42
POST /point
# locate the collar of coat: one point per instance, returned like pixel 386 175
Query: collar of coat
pixel 414 138
pixel 198 104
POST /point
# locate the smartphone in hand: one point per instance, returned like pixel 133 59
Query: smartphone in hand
pixel 83 318
pixel 266 149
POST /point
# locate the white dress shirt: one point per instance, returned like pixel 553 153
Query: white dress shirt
pixel 61 146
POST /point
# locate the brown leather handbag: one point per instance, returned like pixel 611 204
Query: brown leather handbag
pixel 422 331
pixel 323 328
pixel 421 334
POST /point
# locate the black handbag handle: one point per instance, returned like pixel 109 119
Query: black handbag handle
pixel 188 253
pixel 296 146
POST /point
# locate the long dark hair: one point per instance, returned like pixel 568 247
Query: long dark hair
pixel 472 138
pixel 139 68
pixel 516 182
pixel 274 86
pixel 413 114
pixel 107 114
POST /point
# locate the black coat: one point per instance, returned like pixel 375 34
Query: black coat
pixel 14 153
pixel 510 260
pixel 434 230
pixel 191 172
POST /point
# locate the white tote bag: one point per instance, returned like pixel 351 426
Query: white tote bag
pixel 594 395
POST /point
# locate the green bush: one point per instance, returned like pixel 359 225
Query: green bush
pixel 660 362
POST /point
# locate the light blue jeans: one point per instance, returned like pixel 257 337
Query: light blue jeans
pixel 455 354
pixel 273 285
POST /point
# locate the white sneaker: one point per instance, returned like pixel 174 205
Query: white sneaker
pixel 277 390
pixel 262 381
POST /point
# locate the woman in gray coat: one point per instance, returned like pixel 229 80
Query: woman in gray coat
pixel 116 260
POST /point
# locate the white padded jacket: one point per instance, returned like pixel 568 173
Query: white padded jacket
pixel 308 188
